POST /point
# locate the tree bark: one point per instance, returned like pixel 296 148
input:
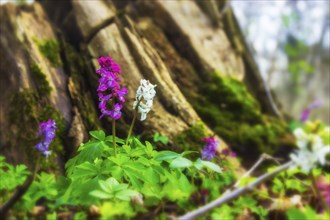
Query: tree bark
pixel 174 44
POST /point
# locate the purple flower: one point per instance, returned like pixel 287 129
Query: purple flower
pixel 228 152
pixel 47 129
pixel 109 65
pixel 307 111
pixel 325 191
pixel 210 149
pixel 109 91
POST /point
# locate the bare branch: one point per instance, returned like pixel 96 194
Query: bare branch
pixel 234 194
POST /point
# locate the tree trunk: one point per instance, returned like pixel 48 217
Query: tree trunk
pixel 193 50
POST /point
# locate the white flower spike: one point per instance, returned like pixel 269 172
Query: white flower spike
pixel 144 98
pixel 311 150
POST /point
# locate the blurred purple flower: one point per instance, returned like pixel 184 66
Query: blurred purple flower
pixel 47 129
pixel 325 191
pixel 109 89
pixel 210 149
pixel 307 111
pixel 228 152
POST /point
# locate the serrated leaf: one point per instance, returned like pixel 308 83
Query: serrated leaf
pixel 137 152
pixel 117 139
pixel 149 148
pixel 126 194
pixel 151 176
pixel 99 135
pixel 85 170
pixel 144 161
pixel 160 138
pixel 180 162
pixel 117 172
pixel 166 155
pixel 105 186
pixel 136 143
pixel 135 178
pixel 101 194
pixel 211 166
pixel 120 187
pixel 127 149
pixel 87 152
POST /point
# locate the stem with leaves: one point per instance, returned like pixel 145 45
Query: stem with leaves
pixel 114 136
pixel 234 194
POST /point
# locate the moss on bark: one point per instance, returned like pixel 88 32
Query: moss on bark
pixel 26 112
pixel 233 113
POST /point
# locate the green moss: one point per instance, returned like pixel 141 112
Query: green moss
pixel 40 79
pixel 191 139
pixel 233 113
pixel 26 112
pixel 76 68
pixel 51 50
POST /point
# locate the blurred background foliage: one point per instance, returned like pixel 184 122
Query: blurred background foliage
pixel 290 40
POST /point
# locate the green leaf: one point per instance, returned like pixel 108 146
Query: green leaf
pixel 134 177
pixel 120 187
pixel 180 162
pixel 294 184
pixel 211 166
pixel 101 194
pixel 294 214
pixel 85 170
pixel 105 186
pixel 87 152
pixel 137 152
pixel 151 176
pixel 149 149
pixel 99 135
pixel 136 143
pixel 117 210
pixel 117 139
pixel 126 194
pixel 198 164
pixel 224 212
pixel 117 172
pixel 166 155
pixel 188 152
pixel 160 138
pixel 120 159
pixel 127 149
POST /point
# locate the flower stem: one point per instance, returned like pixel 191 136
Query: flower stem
pixel 133 121
pixel 131 128
pixel 114 136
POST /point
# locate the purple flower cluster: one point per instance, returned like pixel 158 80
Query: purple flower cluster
pixel 325 191
pixel 307 111
pixel 210 149
pixel 109 89
pixel 47 129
